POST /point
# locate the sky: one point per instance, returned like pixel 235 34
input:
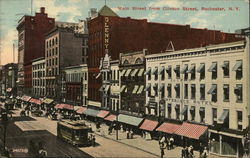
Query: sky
pixel 235 15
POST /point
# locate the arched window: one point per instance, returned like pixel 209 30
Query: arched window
pixel 125 62
pixel 138 61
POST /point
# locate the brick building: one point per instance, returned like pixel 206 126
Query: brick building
pixel 31 30
pixel 109 33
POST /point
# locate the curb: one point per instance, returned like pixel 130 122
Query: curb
pixel 127 144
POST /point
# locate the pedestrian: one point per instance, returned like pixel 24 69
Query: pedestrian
pixel 168 144
pixel 190 152
pixel 162 147
pixel 127 132
pixel 204 153
pixel 109 130
pixel 131 134
pixel 183 152
pixel 90 128
pixel 171 142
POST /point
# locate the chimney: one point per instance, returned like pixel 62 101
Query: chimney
pixel 42 10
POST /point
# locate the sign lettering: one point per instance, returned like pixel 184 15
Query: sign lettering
pixel 106 35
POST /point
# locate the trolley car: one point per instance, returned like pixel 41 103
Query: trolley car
pixel 73 132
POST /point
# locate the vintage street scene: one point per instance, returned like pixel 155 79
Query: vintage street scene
pixel 124 78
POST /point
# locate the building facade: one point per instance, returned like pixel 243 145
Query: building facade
pixel 64 48
pixel 114 86
pixel 132 82
pixel 74 84
pixel 38 77
pixel 84 85
pixel 31 30
pixel 207 85
pixel 107 28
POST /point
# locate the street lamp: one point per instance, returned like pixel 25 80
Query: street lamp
pixel 117 113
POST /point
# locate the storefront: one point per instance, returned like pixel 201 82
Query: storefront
pixel 148 127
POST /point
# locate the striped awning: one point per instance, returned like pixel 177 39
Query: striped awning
pixel 131 120
pixel 35 101
pixel 128 72
pixel 237 66
pixel 140 89
pixel 140 73
pixel 64 106
pixel 47 101
pixel 26 98
pixel 110 118
pixel 91 112
pixel 134 72
pixel 135 89
pixel 193 131
pixel 102 113
pixel 81 110
pixel 168 128
pixel 122 73
pixel 149 125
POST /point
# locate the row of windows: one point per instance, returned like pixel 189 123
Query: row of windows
pixel 38 66
pixel 74 77
pixel 38 74
pixel 238 91
pixel 52 52
pixel 37 82
pixel 186 70
pixel 52 62
pixel 52 72
pixel 51 42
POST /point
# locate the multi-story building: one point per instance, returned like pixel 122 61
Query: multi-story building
pixel 207 85
pixel 38 77
pixel 63 48
pixel 132 82
pixel 74 84
pixel 31 30
pixel 1 81
pixel 9 79
pixel 114 86
pixel 107 28
pixel 84 84
pixel 80 28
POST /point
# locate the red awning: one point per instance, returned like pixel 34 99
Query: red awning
pixel 168 128
pixel 111 118
pixel 35 101
pixel 149 125
pixel 81 110
pixel 102 113
pixel 191 130
pixel 64 106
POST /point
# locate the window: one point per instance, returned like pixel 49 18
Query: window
pixel 239 119
pixel 155 72
pixel 169 110
pixel 225 68
pixel 238 69
pixel 226 92
pixel 238 92
pixel 169 71
pixel 162 73
pixel 185 71
pixel 213 92
pixel 214 113
pixel 177 90
pixel 169 88
pixel 201 70
pixel 202 92
pixel 192 71
pixel 148 73
pixel 202 114
pixel 177 110
pixel 213 69
pixel 186 91
pixel 192 112
pixel 193 91
pixel 177 71
pixel 155 87
pixel 162 90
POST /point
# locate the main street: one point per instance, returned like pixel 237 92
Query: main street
pixel 22 131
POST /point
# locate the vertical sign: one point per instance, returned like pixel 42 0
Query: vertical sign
pixel 106 35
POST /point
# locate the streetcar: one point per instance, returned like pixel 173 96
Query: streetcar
pixel 73 132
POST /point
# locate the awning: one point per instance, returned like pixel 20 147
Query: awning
pixel 140 90
pixel 184 110
pixel 64 106
pixel 168 69
pixel 202 109
pixel 147 87
pixel 123 73
pixel 213 67
pixel 148 125
pixel 191 69
pixel 212 89
pixel 177 86
pixel 148 71
pixel 192 108
pixel 161 87
pixel 91 112
pixel 102 113
pixel 26 98
pixel 223 116
pixel 135 89
pixel 8 89
pixel 168 128
pixel 81 110
pixel 162 69
pixel 155 85
pixel 128 72
pixel 140 73
pixel 35 101
pixel 98 76
pixel 225 65
pixel 47 101
pixel 131 120
pixel 122 88
pixel 134 72
pixel 110 118
pixel 154 71
pixel 238 89
pixel 76 108
pixel 237 66
pixel 107 88
pixel 191 130
pixel 184 69
pixel 201 68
